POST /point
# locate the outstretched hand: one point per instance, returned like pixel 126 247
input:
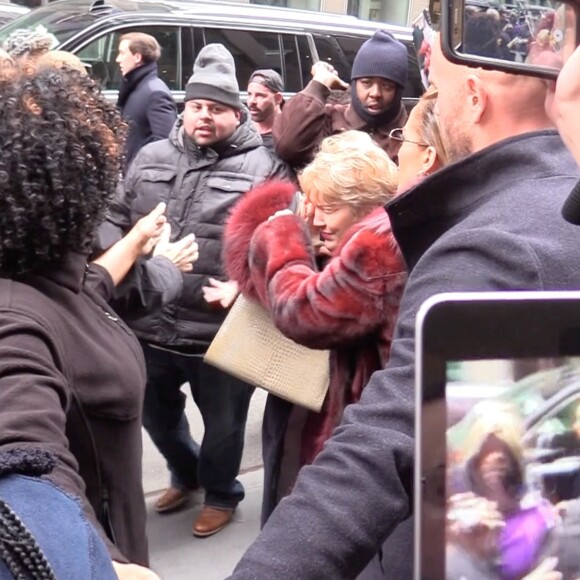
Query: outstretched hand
pixel 222 293
pixel 182 253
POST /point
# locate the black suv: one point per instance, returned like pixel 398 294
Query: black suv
pixel 286 40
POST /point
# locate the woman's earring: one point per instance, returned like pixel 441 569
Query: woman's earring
pixel 422 173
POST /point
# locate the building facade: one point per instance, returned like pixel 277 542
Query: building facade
pixel 399 12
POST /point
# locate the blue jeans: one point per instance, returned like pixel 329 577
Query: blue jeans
pixel 223 402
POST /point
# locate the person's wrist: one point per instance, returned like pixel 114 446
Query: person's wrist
pixel 138 240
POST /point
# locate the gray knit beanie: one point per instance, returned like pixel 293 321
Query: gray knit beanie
pixel 381 56
pixel 214 77
pixel 23 41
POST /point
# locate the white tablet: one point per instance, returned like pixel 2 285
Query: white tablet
pixel 497 475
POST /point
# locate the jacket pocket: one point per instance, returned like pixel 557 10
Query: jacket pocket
pixel 222 194
pixel 153 186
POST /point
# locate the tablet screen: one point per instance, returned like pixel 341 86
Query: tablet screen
pixel 512 484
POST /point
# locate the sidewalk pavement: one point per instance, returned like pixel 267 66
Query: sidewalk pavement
pixel 176 554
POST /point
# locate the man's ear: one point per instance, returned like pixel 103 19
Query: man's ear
pixel 476 98
pixel 278 97
pixel 238 114
pixel 138 58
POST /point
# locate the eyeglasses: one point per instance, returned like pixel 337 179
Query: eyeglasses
pixel 397 135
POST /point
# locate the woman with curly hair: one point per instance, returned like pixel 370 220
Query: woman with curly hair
pixel 72 374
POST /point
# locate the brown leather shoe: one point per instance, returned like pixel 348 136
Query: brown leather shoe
pixel 171 500
pixel 211 520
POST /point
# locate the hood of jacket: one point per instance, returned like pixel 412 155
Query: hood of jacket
pixel 244 138
pixel 432 207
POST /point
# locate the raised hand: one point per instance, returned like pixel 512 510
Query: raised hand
pixel 327 75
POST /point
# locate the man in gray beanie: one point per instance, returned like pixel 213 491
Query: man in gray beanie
pixel 379 76
pixel 212 157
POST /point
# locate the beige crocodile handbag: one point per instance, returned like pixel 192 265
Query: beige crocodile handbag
pixel 250 347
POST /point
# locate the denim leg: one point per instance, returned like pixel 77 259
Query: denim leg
pixel 223 402
pixel 164 417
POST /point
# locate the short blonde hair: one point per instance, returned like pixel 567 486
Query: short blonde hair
pixel 350 170
pixel 62 60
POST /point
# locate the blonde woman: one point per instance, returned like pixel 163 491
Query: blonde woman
pixel 421 149
pixel 349 307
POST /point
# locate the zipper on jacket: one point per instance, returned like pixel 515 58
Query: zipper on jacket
pixel 105 518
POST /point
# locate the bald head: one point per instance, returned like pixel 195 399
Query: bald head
pixel 478 108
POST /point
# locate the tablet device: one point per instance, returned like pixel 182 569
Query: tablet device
pixel 497 473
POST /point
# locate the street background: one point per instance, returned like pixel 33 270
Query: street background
pixel 175 553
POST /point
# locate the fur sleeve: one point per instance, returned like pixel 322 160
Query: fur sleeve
pixel 357 293
pixel 253 209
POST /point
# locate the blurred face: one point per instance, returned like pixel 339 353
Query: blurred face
pixel 375 93
pixel 496 467
pixel 411 153
pixel 333 221
pixel 262 103
pixel 450 81
pixel 208 122
pixel 126 60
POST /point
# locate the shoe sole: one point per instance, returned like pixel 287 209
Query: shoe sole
pixel 171 507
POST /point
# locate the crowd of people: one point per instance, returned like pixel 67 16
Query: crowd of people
pixel 128 230
pixel 516 35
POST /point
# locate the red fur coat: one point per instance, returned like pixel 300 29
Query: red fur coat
pixel 349 307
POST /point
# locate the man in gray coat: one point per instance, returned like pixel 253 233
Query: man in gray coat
pixel 212 157
pixel 491 220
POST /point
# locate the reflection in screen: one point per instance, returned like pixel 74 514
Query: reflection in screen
pixel 513 469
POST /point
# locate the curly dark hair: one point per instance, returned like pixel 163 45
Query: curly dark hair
pixel 61 145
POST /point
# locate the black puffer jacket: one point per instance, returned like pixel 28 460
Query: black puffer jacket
pixel 200 186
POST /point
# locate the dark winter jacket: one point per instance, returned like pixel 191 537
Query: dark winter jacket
pixel 72 380
pixel 307 118
pixel 489 222
pixel 200 186
pixel 350 307
pixel 147 105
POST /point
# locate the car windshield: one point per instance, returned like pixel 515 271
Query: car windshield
pixel 63 19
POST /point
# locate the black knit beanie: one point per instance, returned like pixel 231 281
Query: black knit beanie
pixel 214 77
pixel 381 56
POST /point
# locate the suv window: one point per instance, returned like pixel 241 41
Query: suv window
pixel 101 55
pixel 329 51
pixel 251 50
pixel 293 73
